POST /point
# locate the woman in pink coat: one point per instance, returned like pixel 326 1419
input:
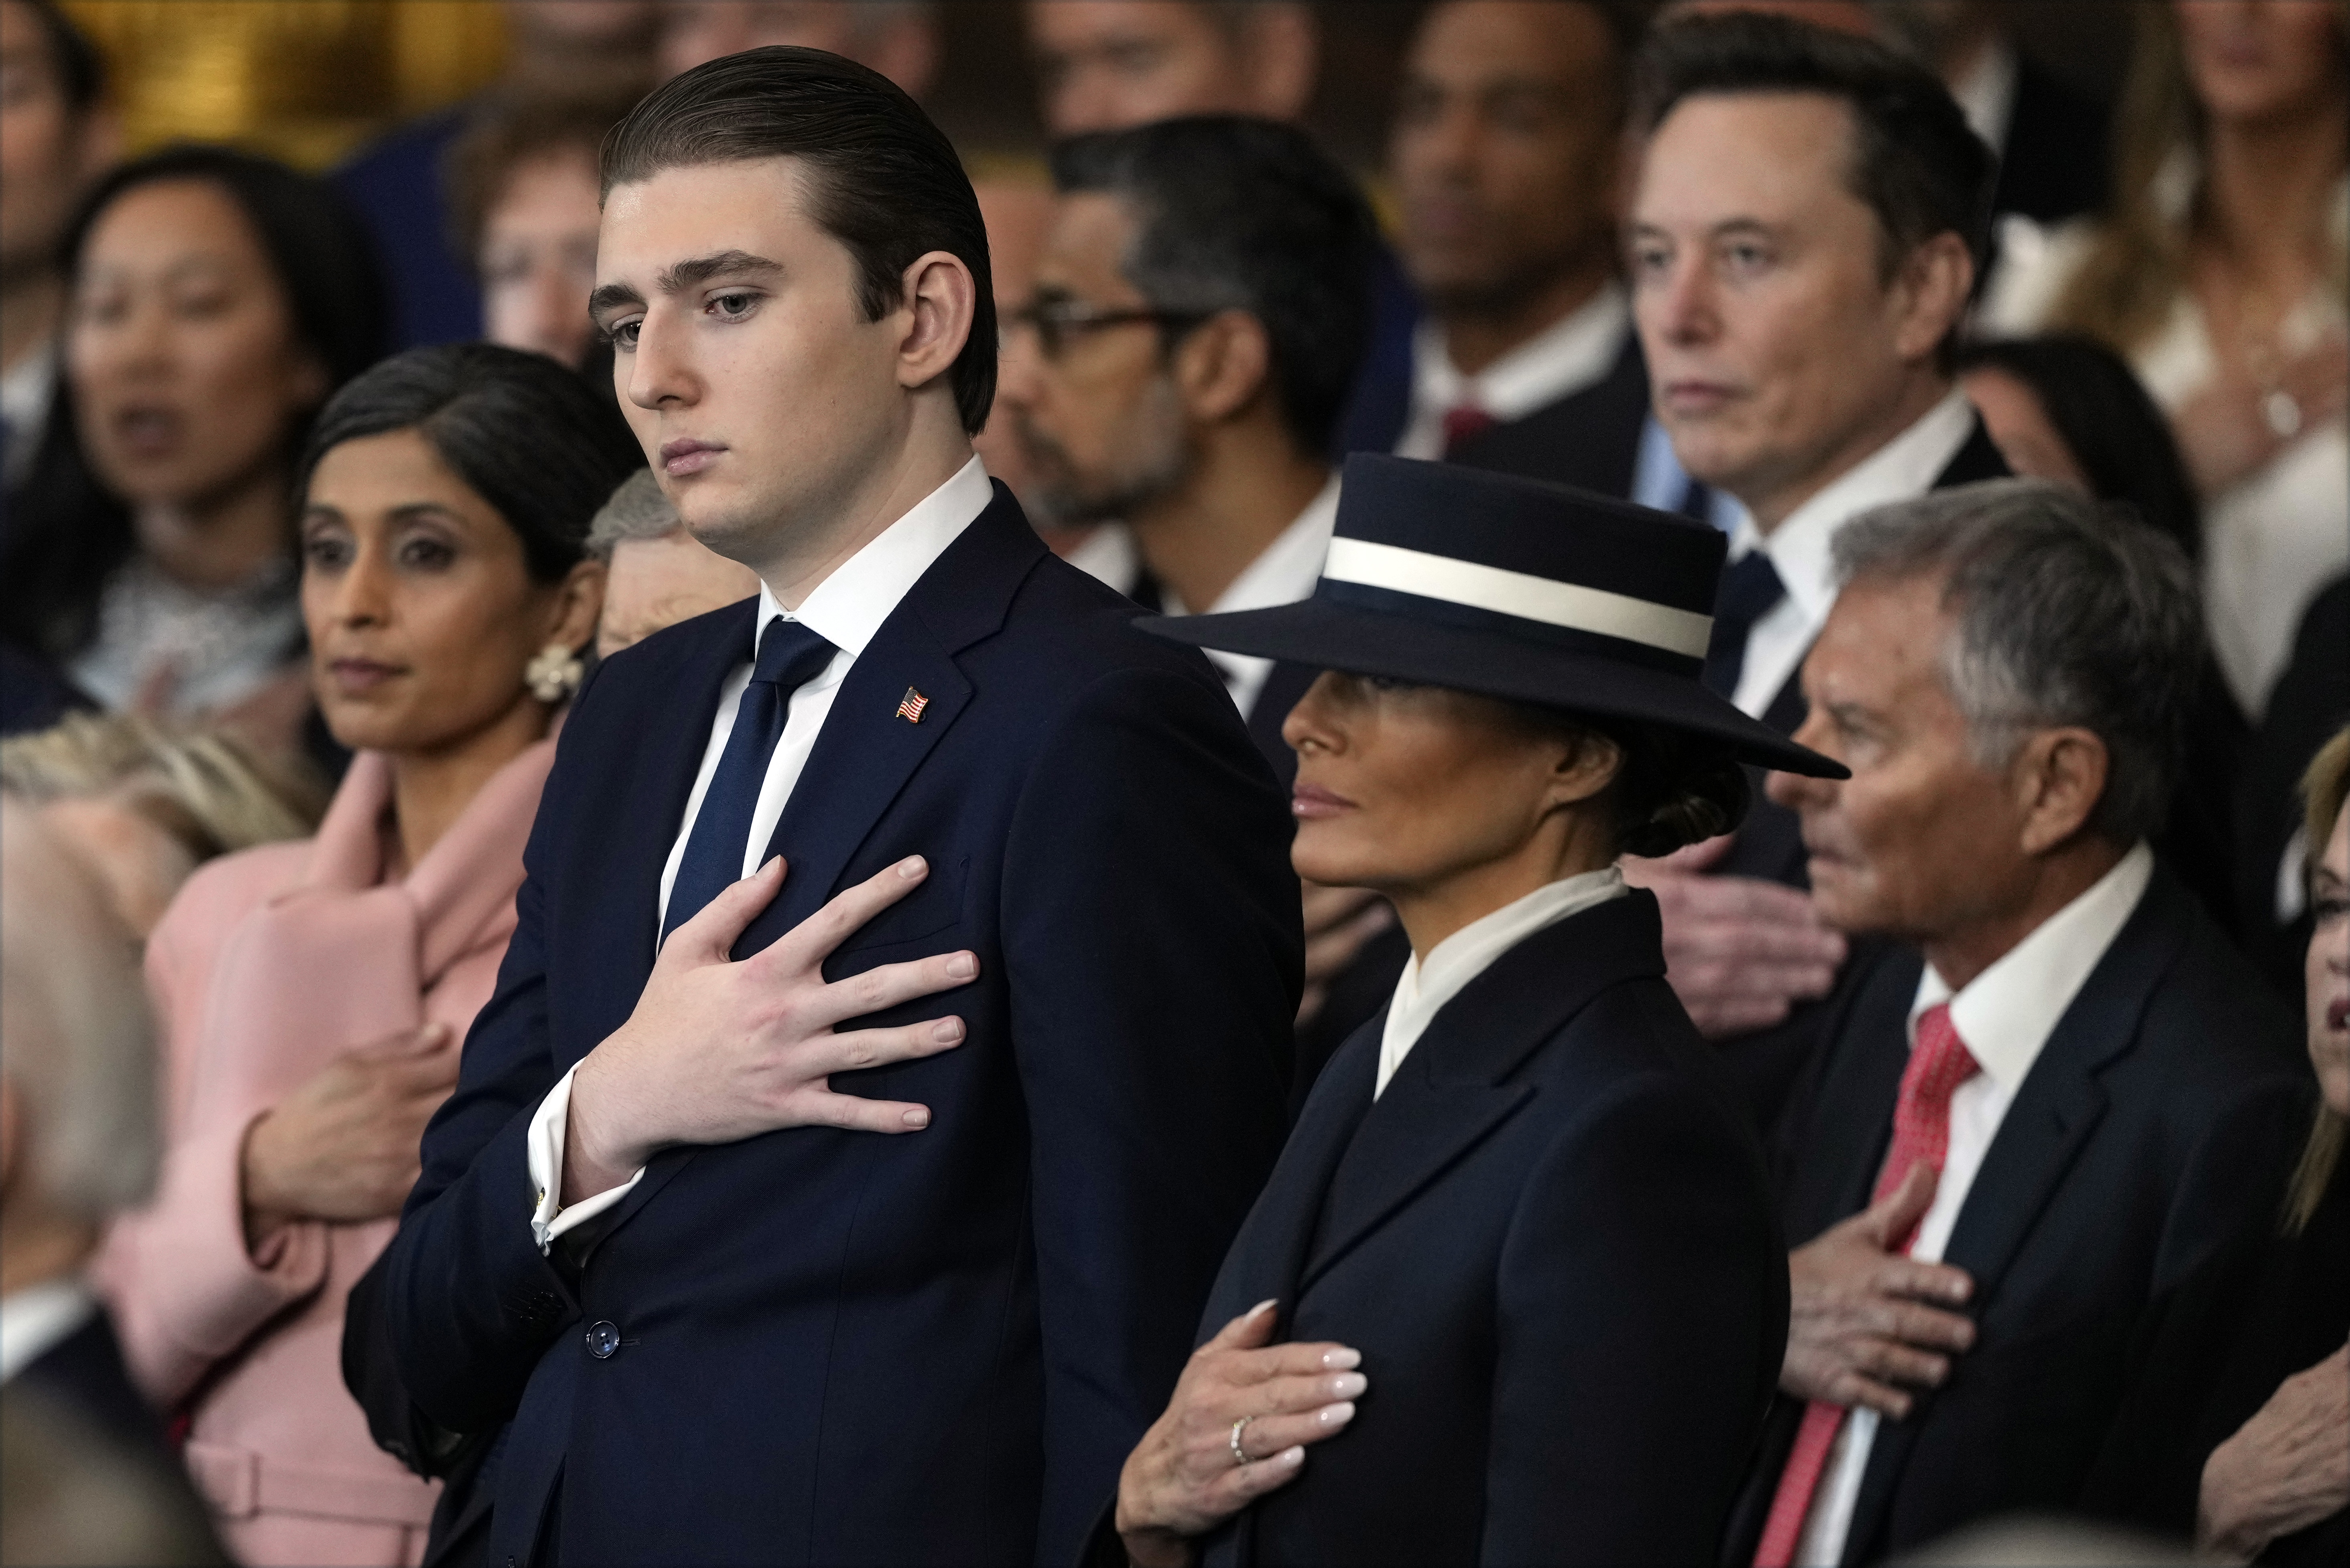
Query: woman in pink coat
pixel 314 993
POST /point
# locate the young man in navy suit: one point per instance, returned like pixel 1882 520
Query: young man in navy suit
pixel 931 788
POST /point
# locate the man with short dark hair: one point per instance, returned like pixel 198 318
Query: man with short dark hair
pixel 1803 241
pixel 1506 160
pixel 2052 1089
pixel 55 135
pixel 658 1228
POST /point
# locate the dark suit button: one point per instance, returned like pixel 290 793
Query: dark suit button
pixel 603 1338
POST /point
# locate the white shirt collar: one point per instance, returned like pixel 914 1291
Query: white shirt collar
pixel 1453 963
pixel 1283 572
pixel 37 1319
pixel 849 607
pixel 1571 354
pixel 2005 1014
pixel 1903 468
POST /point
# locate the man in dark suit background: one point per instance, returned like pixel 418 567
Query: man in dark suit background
pixel 2058 1094
pixel 1803 236
pixel 1199 314
pixel 655 1230
pixel 79 1144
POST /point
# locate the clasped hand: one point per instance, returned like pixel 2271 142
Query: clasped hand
pixel 1184 1479
pixel 719 1050
pixel 1867 1322
pixel 1740 952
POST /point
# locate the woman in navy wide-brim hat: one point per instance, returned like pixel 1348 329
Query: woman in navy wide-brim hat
pixel 1518 1291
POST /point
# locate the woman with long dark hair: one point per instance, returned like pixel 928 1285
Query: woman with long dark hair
pixel 313 993
pixel 217 299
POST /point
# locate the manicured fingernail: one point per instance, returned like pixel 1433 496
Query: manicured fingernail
pixel 947 1031
pixel 910 866
pixel 962 966
pixel 1265 1305
pixel 1334 1415
pixel 1342 1359
pixel 1346 1385
pixel 1295 1456
pixel 920 1116
pixel 772 861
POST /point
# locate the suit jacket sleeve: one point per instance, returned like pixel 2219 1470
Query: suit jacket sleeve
pixel 1152 950
pixel 1641 1316
pixel 468 1302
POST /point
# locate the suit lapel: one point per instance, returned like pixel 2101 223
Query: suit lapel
pixel 2056 1109
pixel 865 753
pixel 1852 1121
pixel 1452 1091
pixel 652 782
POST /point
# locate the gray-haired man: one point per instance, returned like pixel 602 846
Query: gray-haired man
pixel 2054 1091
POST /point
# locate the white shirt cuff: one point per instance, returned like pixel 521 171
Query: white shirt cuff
pixel 548 1218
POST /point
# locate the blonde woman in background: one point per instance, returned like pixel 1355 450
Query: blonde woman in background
pixel 146 803
pixel 2221 270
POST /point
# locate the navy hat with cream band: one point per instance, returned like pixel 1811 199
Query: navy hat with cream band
pixel 1444 575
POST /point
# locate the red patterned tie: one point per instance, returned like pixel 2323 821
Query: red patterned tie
pixel 1464 422
pixel 1938 1064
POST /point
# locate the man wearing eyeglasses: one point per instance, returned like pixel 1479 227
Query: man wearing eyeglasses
pixel 1202 306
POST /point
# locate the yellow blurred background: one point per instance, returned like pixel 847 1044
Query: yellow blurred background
pixel 307 80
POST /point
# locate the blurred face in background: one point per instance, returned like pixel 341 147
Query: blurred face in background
pixel 895 39
pixel 189 378
pixel 1504 150
pixel 537 260
pixel 1100 419
pixel 2263 60
pixel 655 583
pixel 422 615
pixel 2328 974
pixel 47 152
pixel 1106 64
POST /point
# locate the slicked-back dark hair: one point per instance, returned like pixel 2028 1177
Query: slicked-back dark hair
pixel 526 434
pixel 885 183
pixel 1916 161
pixel 1236 213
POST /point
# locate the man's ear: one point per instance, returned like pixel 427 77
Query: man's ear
pixel 940 302
pixel 1222 365
pixel 2059 777
pixel 1931 293
pixel 579 604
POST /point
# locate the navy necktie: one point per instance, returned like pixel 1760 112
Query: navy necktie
pixel 790 656
pixel 1750 589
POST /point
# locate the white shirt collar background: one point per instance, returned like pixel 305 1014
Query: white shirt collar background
pixel 1563 359
pixel 2004 1017
pixel 1284 573
pixel 1903 468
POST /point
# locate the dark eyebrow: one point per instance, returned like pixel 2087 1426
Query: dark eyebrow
pixel 682 277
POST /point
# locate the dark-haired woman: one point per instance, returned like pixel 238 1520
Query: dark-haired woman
pixel 314 993
pixel 1519 1296
pixel 217 300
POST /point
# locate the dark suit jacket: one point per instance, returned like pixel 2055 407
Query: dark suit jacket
pixel 1552 1240
pixel 1590 439
pixel 842 1347
pixel 2131 1154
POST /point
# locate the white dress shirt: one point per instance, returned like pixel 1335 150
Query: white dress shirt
pixel 1470 951
pixel 26 391
pixel 2003 1016
pixel 1903 468
pixel 1109 556
pixel 846 609
pixel 1284 573
pixel 37 1319
pixel 1562 359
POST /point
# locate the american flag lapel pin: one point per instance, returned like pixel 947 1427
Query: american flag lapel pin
pixel 911 706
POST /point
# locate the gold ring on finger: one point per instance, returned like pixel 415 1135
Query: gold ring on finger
pixel 1239 1454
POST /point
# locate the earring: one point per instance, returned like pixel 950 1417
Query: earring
pixel 554 674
